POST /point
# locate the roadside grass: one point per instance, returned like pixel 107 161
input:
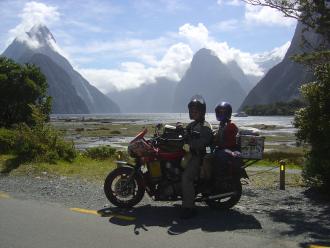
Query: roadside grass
pixel 271 179
pixel 96 171
pixel 82 167
pixel 268 164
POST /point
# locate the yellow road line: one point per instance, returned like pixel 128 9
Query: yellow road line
pixel 4 195
pixel 84 211
pixel 110 215
pixel 318 246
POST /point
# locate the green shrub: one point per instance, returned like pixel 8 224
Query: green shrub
pixel 42 143
pixel 316 171
pixel 313 124
pixel 115 132
pixel 100 152
pixel 7 140
pixel 23 90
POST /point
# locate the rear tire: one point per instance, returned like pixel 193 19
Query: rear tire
pixel 229 202
pixel 119 192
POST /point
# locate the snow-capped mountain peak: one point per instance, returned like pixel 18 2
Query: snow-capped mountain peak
pixel 267 60
pixel 38 37
pixel 41 34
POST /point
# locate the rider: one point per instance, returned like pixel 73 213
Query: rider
pixel 199 136
pixel 225 138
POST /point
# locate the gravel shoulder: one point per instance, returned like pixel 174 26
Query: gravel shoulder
pixel 295 214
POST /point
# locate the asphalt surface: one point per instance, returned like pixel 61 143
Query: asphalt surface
pixel 37 212
pixel 31 224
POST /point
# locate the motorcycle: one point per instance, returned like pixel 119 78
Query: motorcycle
pixel 157 170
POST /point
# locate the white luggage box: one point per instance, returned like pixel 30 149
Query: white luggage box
pixel 252 147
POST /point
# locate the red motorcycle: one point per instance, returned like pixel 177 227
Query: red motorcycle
pixel 158 169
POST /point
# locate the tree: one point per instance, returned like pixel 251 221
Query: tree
pixel 312 121
pixel 22 94
pixel 314 14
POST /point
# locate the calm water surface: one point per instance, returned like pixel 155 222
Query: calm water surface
pixel 283 123
pixel 150 118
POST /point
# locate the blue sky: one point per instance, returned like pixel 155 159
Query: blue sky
pixel 121 44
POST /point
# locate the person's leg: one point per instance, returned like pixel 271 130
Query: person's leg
pixel 221 161
pixel 188 177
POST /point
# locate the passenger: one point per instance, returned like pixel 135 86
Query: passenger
pixel 225 138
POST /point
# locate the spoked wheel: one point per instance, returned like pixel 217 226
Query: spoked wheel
pixel 121 190
pixel 231 200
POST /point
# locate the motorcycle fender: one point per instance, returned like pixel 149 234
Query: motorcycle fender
pixel 123 164
pixel 129 166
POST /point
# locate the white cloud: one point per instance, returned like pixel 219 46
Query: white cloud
pixel 229 2
pixel 33 13
pixel 266 16
pixel 145 51
pixel 196 35
pixel 226 25
pixel 86 26
pixel 132 74
pixel 173 63
pixel 266 59
pixel 280 51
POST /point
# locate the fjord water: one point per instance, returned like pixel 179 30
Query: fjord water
pixel 283 125
pixel 153 118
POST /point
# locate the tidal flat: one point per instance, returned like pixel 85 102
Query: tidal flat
pixel 280 140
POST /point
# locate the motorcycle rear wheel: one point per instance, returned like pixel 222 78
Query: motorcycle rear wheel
pixel 122 193
pixel 229 202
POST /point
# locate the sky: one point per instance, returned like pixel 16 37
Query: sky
pixel 122 44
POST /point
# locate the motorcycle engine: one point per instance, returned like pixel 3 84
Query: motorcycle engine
pixel 169 190
pixel 170 186
pixel 171 170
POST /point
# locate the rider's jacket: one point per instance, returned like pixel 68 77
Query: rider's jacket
pixel 225 137
pixel 198 136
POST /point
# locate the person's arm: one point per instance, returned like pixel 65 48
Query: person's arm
pixel 231 132
pixel 204 139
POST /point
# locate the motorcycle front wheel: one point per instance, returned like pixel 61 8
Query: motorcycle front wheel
pixel 230 201
pixel 123 191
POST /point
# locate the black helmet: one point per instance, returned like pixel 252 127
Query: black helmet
pixel 197 102
pixel 223 111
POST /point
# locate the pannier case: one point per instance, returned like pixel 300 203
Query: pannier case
pixel 251 146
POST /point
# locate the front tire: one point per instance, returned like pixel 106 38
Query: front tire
pixel 229 202
pixel 122 193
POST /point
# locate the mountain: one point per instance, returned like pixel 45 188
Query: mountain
pixel 65 97
pixel 148 98
pixel 283 81
pixel 238 74
pixel 212 79
pixel 71 93
pixel 268 60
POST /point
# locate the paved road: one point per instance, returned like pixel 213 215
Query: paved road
pixel 29 223
pixel 35 212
